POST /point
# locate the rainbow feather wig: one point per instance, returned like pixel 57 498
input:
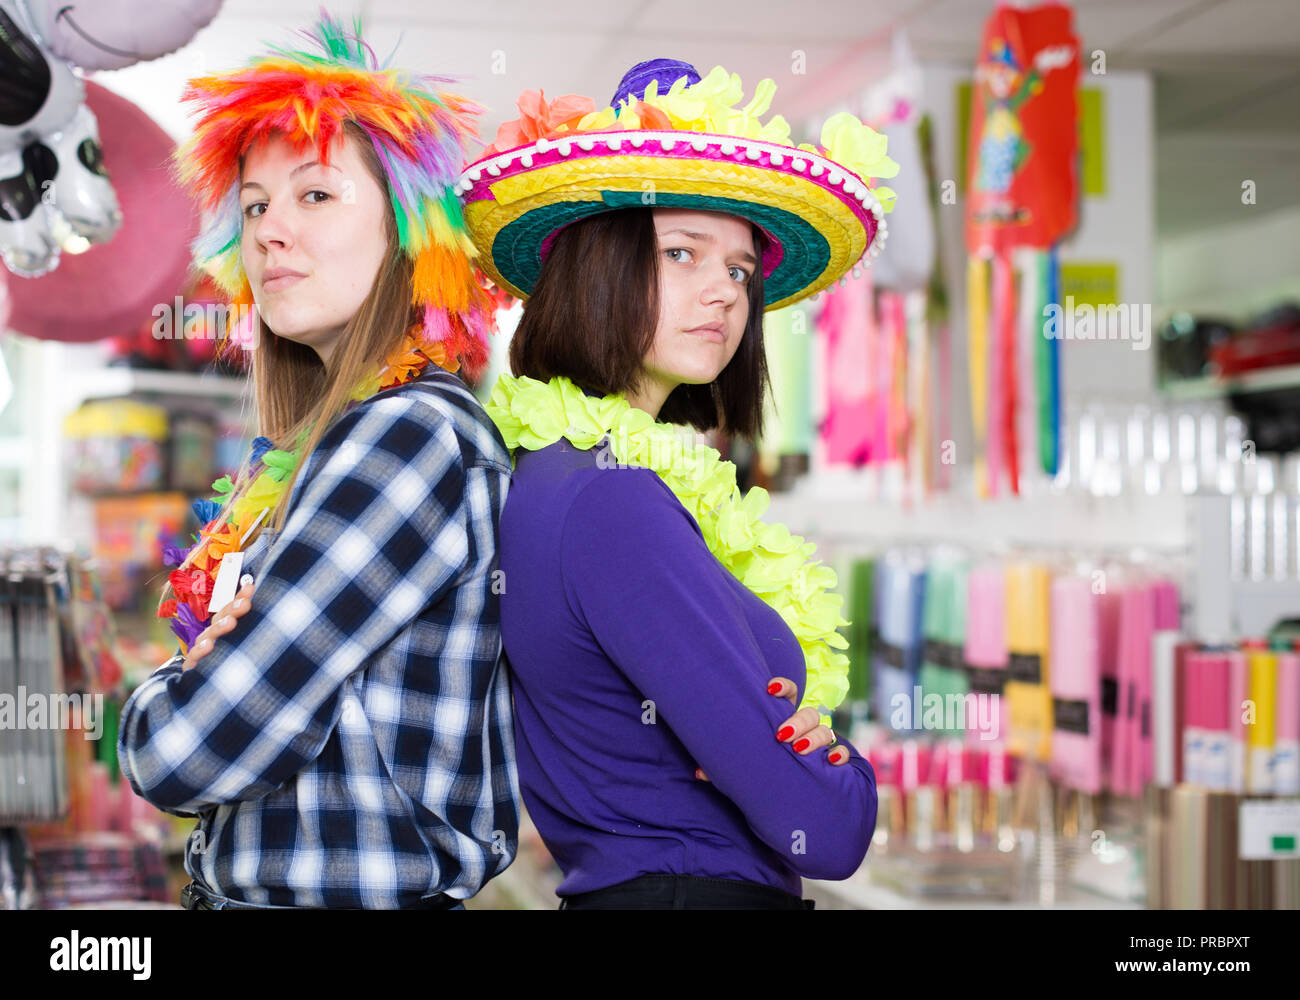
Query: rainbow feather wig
pixel 419 134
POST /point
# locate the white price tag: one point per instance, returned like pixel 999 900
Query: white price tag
pixel 223 591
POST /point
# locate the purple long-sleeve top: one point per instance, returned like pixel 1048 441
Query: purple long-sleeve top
pixel 637 657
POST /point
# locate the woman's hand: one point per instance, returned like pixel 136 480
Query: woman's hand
pixel 803 730
pixel 222 623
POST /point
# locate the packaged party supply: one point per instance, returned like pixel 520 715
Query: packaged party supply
pixel 896 654
pixel 943 663
pixel 1028 695
pixel 116 446
pixel 986 638
pixel 127 546
pixel 1076 685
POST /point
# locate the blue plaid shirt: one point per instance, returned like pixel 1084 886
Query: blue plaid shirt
pixel 350 742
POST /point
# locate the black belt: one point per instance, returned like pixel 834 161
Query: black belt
pixel 685 892
pixel 196 897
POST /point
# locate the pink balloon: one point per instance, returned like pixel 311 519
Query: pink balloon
pixel 112 288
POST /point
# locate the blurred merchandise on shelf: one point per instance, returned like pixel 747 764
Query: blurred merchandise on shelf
pixel 98 800
pixel 1203 850
pixel 99 868
pixel 947 630
pixel 1028 695
pixel 1184 345
pixel 1063 730
pixel 193 448
pixel 71 831
pixel 1270 340
pixel 899 590
pixel 943 664
pixel 61 686
pixel 1272 416
pixel 128 550
pixel 116 446
pixel 92 659
pixel 33 768
pixel 230 445
pixel 183 335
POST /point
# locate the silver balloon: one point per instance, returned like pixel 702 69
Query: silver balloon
pixel 54 191
pixel 81 191
pixel 27 243
pixel 111 34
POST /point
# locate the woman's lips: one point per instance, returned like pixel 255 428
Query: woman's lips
pixel 709 334
pixel 283 281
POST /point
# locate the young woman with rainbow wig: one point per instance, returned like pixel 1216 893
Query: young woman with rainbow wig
pixel 341 730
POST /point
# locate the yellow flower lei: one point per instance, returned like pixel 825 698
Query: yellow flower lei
pixel 710 107
pixel 774 564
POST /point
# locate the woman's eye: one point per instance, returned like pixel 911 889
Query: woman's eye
pixel 249 212
pixel 742 275
pixel 324 196
pixel 673 250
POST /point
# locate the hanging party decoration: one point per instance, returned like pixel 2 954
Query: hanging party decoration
pixel 1022 191
pixel 54 190
pixel 56 196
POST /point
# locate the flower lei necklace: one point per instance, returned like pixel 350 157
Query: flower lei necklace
pixel 193 584
pixel 774 564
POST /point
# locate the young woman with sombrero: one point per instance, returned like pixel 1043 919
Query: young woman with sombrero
pixel 341 729
pixel 646 606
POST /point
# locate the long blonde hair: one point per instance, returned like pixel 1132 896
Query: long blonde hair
pixel 297 396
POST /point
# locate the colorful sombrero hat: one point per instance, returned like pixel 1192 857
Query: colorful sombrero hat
pixel 687 147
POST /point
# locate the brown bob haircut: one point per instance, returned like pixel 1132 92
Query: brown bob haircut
pixel 592 318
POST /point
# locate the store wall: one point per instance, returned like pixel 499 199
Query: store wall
pixel 1232 271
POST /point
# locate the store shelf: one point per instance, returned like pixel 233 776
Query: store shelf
pixel 1214 386
pixel 839 507
pixel 530 881
pixel 108 383
pixel 860 893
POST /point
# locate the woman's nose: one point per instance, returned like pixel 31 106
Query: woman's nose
pixel 722 287
pixel 273 229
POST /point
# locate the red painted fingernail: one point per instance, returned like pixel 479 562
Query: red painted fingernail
pixel 774 687
pixel 784 733
pixel 837 756
pixel 802 745
pixel 699 775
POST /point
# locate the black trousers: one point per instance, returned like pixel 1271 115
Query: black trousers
pixel 685 892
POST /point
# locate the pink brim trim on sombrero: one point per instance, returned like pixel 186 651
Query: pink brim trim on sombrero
pixel 477 178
